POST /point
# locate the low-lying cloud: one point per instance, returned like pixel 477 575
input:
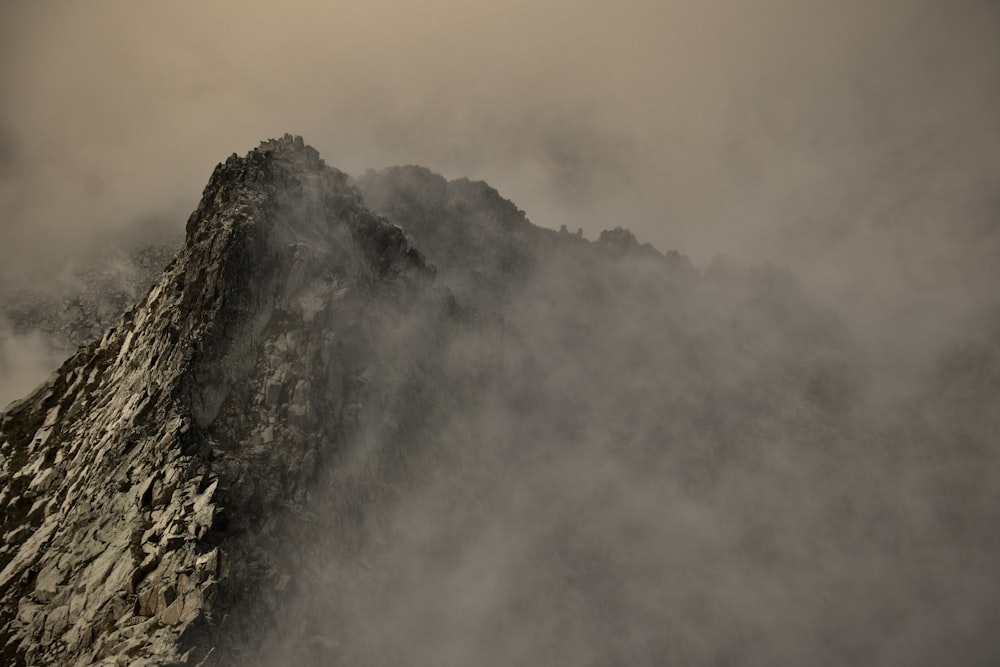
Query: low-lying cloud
pixel 855 142
pixel 25 360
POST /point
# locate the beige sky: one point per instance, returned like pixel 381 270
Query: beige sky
pixel 856 140
pixel 769 129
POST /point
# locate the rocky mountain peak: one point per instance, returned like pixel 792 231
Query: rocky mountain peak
pixel 121 470
pixel 307 445
pixel 294 148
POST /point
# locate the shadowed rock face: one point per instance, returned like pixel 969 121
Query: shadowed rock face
pixel 484 246
pixel 308 445
pixel 211 398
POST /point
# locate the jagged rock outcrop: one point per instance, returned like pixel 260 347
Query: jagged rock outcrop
pixel 199 403
pixel 485 247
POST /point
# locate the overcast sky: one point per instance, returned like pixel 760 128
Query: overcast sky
pixel 727 126
pixel 855 141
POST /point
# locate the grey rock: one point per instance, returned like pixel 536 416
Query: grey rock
pixel 132 506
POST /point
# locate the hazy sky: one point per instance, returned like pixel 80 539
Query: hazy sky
pixel 740 127
pixel 854 140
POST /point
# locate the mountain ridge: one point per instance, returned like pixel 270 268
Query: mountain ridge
pixel 276 344
pixel 164 371
pixel 389 420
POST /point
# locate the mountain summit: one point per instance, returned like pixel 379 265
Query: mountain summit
pixel 123 469
pixel 390 421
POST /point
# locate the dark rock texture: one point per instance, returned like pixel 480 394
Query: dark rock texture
pixel 203 409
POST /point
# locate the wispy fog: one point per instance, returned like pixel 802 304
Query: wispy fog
pixel 26 360
pixel 772 129
pixel 760 467
pixel 854 141
pixel 616 462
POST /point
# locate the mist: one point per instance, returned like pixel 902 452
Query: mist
pixel 787 462
pixel 854 141
pixel 25 360
pixel 714 128
pixel 612 459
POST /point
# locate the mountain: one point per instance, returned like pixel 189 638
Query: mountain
pixel 390 421
pixel 117 470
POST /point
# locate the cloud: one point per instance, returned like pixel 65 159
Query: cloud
pixel 722 127
pixel 855 141
pixel 25 361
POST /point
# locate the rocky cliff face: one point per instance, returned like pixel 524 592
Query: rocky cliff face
pixel 312 444
pixel 205 401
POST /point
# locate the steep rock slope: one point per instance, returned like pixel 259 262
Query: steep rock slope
pixel 198 404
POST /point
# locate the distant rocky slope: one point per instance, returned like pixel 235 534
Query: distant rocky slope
pixel 45 318
pixel 391 421
pixel 93 294
pixel 481 242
